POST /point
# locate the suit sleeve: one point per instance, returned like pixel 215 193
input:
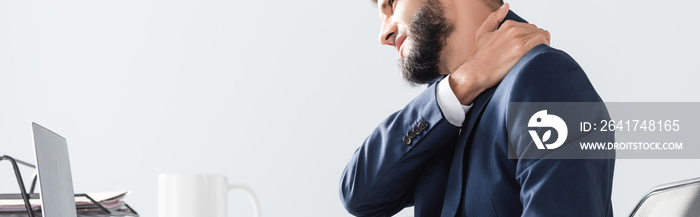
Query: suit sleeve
pixel 561 187
pixel 379 180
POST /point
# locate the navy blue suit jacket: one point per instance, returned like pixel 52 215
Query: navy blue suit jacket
pixel 416 157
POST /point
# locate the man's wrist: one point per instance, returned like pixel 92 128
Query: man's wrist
pixel 465 85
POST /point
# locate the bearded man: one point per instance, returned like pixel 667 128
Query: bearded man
pixel 447 152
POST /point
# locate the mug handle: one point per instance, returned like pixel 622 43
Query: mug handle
pixel 251 196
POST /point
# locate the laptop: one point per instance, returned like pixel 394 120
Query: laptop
pixel 53 169
pixel 680 199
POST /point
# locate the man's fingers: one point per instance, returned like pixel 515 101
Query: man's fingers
pixel 540 36
pixel 492 21
pixel 534 40
pixel 547 35
pixel 518 30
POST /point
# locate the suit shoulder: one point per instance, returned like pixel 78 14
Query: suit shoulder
pixel 550 75
pixel 545 59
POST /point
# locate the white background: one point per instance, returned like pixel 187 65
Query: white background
pixel 278 94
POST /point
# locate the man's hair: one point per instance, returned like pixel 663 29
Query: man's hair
pixel 493 4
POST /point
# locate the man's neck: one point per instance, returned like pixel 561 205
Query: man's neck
pixel 459 50
pixel 466 16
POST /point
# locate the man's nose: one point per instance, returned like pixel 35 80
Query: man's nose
pixel 387 35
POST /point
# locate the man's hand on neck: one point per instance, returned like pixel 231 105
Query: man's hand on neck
pixel 494 53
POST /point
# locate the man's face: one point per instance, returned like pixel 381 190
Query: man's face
pixel 418 30
pixel 432 37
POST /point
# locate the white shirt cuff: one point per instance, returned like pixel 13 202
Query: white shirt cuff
pixel 453 111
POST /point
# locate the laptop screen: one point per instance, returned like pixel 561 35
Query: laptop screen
pixel 53 168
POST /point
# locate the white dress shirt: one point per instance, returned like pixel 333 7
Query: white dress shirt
pixel 454 112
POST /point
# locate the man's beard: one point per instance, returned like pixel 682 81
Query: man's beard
pixel 429 30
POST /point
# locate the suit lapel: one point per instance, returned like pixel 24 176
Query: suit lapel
pixel 456 176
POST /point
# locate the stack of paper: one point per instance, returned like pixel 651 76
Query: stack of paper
pixel 91 204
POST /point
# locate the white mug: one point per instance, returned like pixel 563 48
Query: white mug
pixel 197 195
